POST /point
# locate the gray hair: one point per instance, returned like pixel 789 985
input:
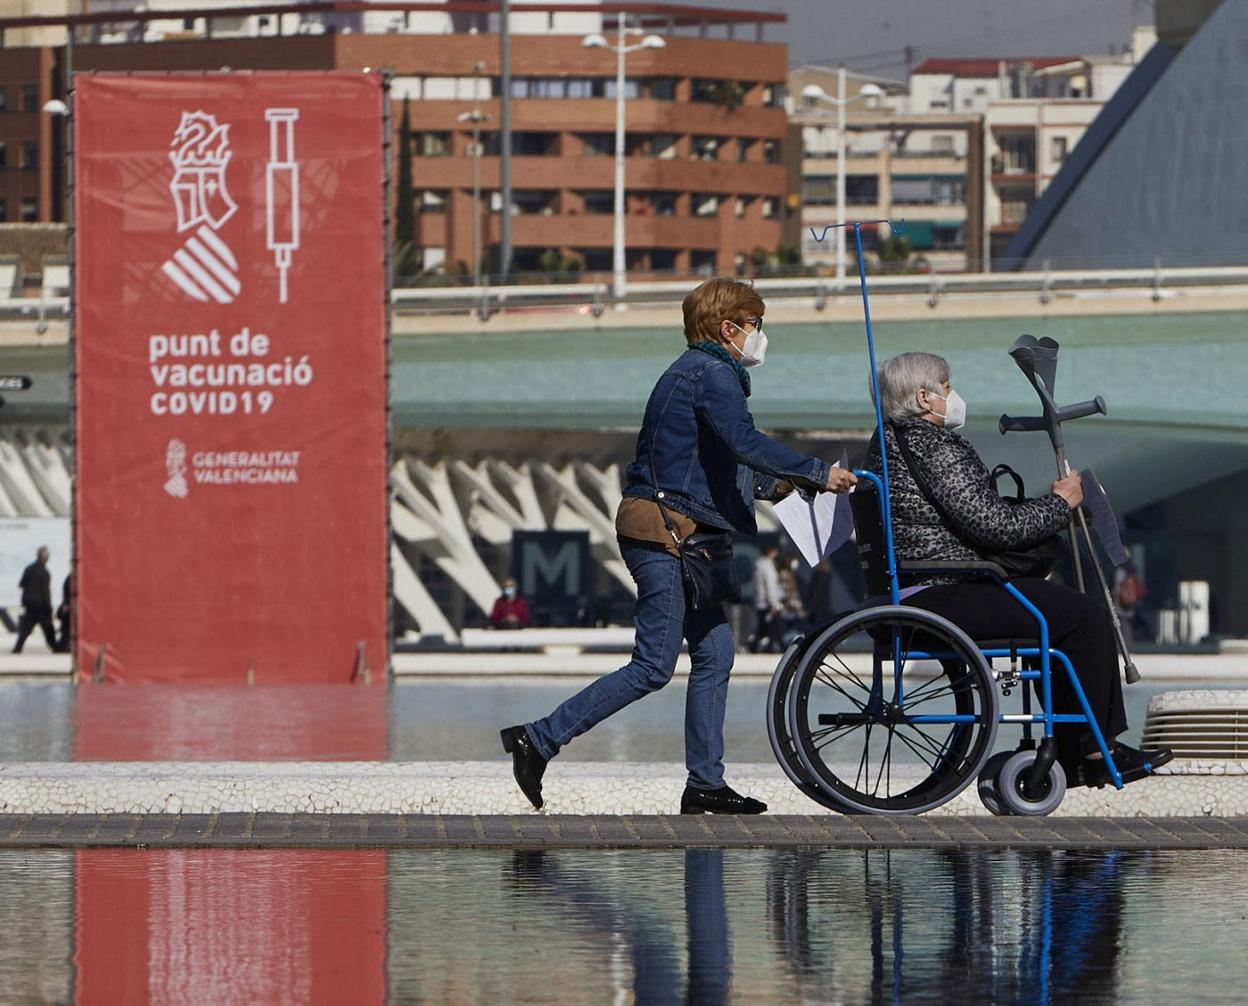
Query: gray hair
pixel 902 376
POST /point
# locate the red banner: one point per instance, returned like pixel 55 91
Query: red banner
pixel 230 382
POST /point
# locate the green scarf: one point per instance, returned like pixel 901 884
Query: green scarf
pixel 715 349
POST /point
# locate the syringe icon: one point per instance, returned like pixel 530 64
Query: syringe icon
pixel 281 190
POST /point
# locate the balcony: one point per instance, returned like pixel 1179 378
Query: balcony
pixel 599 173
pixel 597 230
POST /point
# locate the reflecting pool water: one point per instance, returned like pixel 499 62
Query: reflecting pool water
pixel 412 720
pixel 697 926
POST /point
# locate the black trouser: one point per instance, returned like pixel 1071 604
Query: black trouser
pixel 31 617
pixel 768 631
pixel 1078 626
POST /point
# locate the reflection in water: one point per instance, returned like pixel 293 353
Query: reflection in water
pixel 165 722
pixel 622 926
pixel 702 926
pixel 183 927
pixel 1039 927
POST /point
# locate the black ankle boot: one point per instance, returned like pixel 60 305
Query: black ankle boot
pixel 526 764
pixel 724 800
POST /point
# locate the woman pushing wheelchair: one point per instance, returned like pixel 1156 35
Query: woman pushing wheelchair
pixel 944 509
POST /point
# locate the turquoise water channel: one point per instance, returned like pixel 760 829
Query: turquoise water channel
pixel 701 926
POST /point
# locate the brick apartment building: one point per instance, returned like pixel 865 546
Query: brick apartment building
pixel 706 176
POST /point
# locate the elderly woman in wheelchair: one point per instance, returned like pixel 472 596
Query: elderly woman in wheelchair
pixel 904 729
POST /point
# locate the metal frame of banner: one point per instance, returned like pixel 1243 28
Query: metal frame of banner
pixel 71 303
pixel 387 140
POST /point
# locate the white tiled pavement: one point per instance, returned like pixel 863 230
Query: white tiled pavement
pixel 1216 789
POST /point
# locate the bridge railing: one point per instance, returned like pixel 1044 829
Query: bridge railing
pixel 593 297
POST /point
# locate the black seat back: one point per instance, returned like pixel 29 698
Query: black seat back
pixel 864 501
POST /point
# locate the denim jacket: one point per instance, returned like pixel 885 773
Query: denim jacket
pixel 710 461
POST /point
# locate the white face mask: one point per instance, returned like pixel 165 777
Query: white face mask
pixel 955 410
pixel 754 349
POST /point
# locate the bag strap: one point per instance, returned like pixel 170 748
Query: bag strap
pixel 912 468
pixel 1004 469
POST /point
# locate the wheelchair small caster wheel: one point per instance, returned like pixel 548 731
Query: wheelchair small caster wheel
pixel 988 794
pixel 1011 789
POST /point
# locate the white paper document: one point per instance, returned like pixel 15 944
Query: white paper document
pixel 818 529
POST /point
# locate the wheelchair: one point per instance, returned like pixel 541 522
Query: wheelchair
pixel 891 709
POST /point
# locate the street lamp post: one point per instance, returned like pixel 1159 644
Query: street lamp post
pixel 621 50
pixel 476 117
pixel 872 95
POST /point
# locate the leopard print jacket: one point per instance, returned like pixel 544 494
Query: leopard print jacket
pixel 974 518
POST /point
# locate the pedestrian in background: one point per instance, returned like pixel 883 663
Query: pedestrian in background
pixel 511 610
pixel 36 586
pixel 768 602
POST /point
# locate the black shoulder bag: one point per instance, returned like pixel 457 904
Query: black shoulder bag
pixel 1038 560
pixel 710 574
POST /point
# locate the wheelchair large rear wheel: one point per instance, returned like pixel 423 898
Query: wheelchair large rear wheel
pixel 892 710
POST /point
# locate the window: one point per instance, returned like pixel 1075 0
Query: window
pixel 431 201
pixel 3 212
pixel 660 88
pixel 1057 149
pixel 432 144
pixel 774 95
pixel 949 236
pixel 742 207
pixel 4 99
pixel 662 259
pixel 861 190
pixel 598 144
pixel 30 211
pixel 4 156
pixel 632 88
pixel 1018 154
pixel 1014 210
pixel 704 148
pixel 29 98
pixel 928 190
pixel 526 144
pixel 702 261
pixel 942 143
pixel 662 146
pixel 771 152
pixel 29 154
pixel 599 201
pixel 663 204
pixel 771 208
pixel 597 259
pixel 449 88
pixel 702 89
pixel 535 201
pixel 705 204
pixel 743 149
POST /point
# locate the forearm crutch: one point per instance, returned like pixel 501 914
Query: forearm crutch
pixel 1037 359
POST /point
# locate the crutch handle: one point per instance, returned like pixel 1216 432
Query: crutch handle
pixel 1020 424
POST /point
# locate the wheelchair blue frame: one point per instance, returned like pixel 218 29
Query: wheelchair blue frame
pixel 1044 652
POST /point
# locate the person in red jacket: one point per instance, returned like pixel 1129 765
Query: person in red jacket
pixel 511 610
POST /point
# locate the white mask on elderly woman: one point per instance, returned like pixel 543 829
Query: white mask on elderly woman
pixel 754 349
pixel 955 410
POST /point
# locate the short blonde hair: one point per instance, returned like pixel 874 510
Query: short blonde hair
pixel 713 301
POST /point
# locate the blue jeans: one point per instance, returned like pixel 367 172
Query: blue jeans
pixel 661 620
